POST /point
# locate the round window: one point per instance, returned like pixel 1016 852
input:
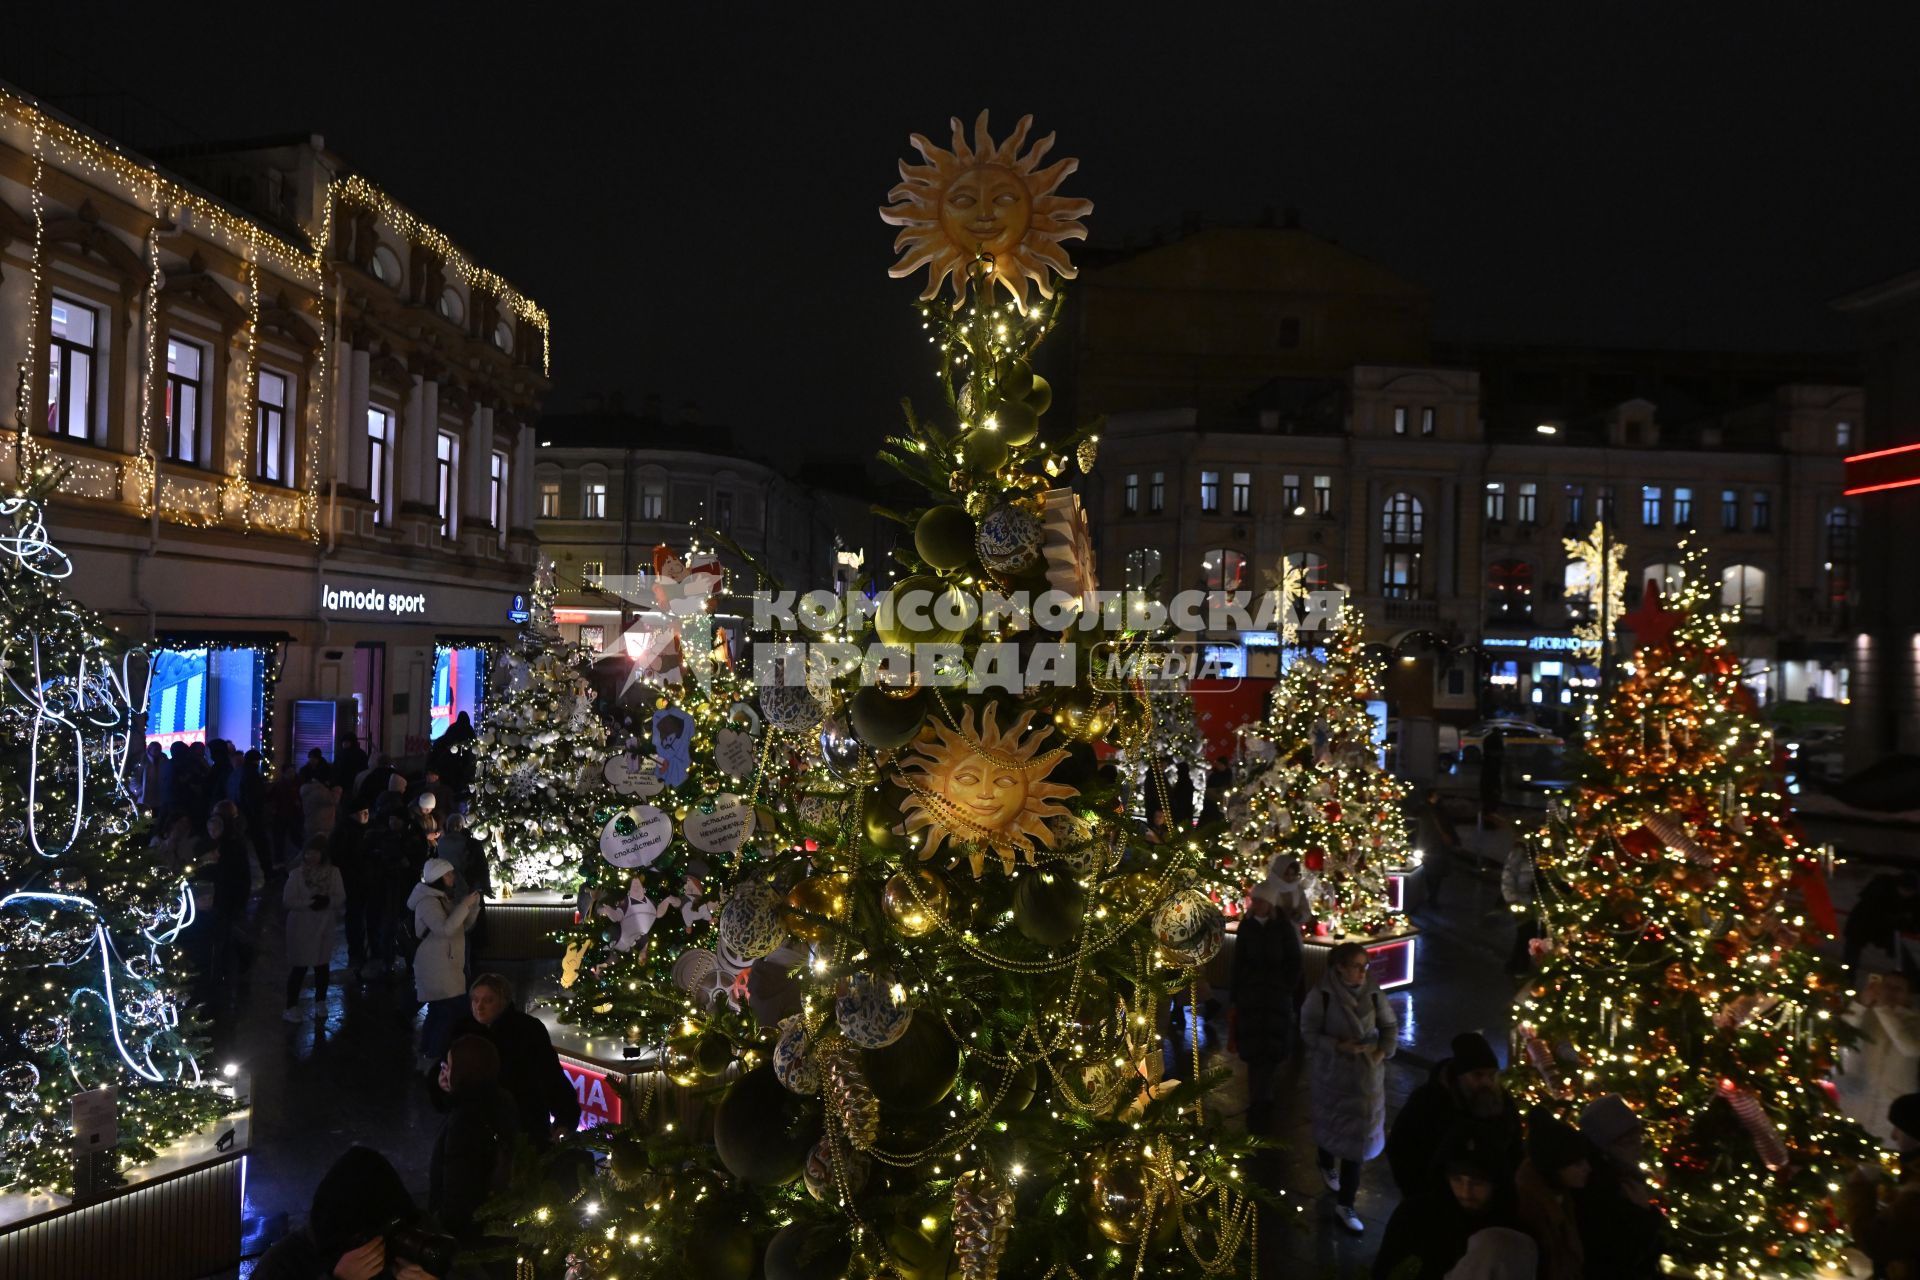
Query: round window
pixel 385 267
pixel 451 308
pixel 503 337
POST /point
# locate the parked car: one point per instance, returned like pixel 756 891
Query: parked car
pixel 1535 758
pixel 1511 732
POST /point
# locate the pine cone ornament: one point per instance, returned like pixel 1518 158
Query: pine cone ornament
pixel 982 1218
pixel 849 1093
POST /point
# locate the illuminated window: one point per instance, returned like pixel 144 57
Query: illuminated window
pixel 1576 504
pixel 1730 510
pixel 1402 533
pixel 272 440
pixel 1142 567
pixel 653 500
pixel 1157 494
pixel 1399 419
pixel 1426 421
pixel 1130 494
pixel 1322 495
pixel 1209 490
pixel 550 499
pixel 379 461
pixel 593 500
pixel 1667 578
pixel 1650 506
pixel 1682 508
pixel 1843 435
pixel 1289 493
pixel 1526 503
pixel 1509 591
pixel 447 470
pixel 497 496
pixel 1577 590
pixel 1842 534
pixel 186 362
pixel 1242 492
pixel 592 572
pixel 71 360
pixel 1312 568
pixel 1224 570
pixel 1496 500
pixel 1743 591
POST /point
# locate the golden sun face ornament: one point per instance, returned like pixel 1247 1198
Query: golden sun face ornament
pixel 983 791
pixel 985 198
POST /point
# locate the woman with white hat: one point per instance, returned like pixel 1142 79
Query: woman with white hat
pixel 440 962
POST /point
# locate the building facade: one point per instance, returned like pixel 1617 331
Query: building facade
pixel 610 486
pixel 1450 536
pixel 1885 480
pixel 293 426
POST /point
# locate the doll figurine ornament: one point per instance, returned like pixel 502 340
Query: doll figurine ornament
pixel 985 201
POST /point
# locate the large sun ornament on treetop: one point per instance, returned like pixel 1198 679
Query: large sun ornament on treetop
pixel 985 200
pixel 984 791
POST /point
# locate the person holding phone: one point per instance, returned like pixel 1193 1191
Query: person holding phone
pixel 314 895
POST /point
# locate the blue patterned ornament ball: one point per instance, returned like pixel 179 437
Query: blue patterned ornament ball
pixel 750 925
pixel 869 1013
pixel 1010 540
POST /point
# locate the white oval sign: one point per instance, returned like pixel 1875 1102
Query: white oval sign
pixel 634 775
pixel 652 832
pixel 733 753
pixel 723 830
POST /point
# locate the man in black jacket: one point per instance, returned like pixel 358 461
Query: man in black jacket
pixel 543 1097
pixel 1429 1232
pixel 1462 1095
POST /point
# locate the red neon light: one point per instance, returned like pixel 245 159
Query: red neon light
pixel 1875 488
pixel 1881 453
pixel 569 615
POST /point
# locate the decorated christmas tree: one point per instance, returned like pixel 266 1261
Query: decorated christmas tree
pixel 1676 971
pixel 1315 790
pixel 88 918
pixel 947 1059
pixel 537 759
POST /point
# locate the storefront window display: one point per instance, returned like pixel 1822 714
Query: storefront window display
pixel 209 692
pixel 459 684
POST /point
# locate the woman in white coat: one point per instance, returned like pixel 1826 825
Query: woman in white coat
pixel 1885 1063
pixel 440 961
pixel 1350 1032
pixel 314 895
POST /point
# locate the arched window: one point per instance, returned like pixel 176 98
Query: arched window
pixel 1577 590
pixel 1224 570
pixel 385 266
pixel 1509 592
pixel 503 337
pixel 1142 567
pixel 1843 531
pixel 451 307
pixel 1402 532
pixel 1312 568
pixel 1667 578
pixel 1743 591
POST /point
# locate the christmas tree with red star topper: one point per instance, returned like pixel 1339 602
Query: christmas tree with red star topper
pixel 1676 970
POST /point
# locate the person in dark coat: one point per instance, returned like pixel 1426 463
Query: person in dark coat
pixel 1429 1231
pixel 347 850
pixel 1463 1093
pixel 357 1202
pixel 231 870
pixel 1888 906
pixel 1439 845
pixel 473 1156
pixel 1267 967
pixel 349 762
pixel 543 1097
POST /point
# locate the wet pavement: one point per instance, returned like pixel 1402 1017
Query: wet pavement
pixel 344 1074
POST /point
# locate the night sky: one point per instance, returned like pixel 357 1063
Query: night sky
pixel 693 197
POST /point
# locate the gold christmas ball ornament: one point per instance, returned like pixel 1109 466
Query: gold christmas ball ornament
pixel 827 896
pixel 944 538
pixel 921 609
pixel 880 814
pixel 1017 422
pixel 1131 893
pixel 1121 1195
pixel 887 719
pixel 983 451
pixel 915 901
pixel 1040 399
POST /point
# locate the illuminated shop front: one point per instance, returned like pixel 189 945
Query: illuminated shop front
pixel 205 690
pixel 1538 674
